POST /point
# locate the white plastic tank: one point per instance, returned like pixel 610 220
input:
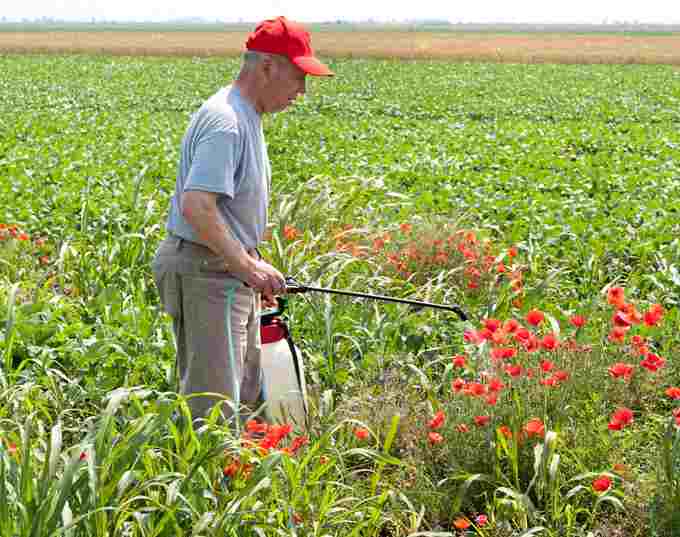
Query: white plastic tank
pixel 283 373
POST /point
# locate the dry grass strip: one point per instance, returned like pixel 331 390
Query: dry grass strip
pixel 521 48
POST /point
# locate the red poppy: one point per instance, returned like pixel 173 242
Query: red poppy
pixel 492 324
pixel 620 419
pixel 535 317
pixel 532 345
pixel 510 326
pixel 547 365
pixel 534 427
pixel 673 393
pixel 653 315
pixel 491 399
pixel 473 336
pixel 457 385
pixel 434 438
pixel 514 370
pixel 290 232
pixel 618 334
pixel 561 376
pixel 621 319
pixel 461 523
pixel 602 484
pixel 505 431
pixel 481 421
pixel 459 360
pixel 653 363
pixel 481 520
pixel 550 342
pixel 620 369
pixel 577 320
pixel 512 252
pixel 361 433
pixel 615 296
pixel 496 385
pixel 405 228
pixel 522 335
pixel 297 443
pixel 438 420
pixel 475 389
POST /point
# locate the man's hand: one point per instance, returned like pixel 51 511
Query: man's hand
pixel 264 278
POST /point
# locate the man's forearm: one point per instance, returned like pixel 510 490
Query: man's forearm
pixel 200 210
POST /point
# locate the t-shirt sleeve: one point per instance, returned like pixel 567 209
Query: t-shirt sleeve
pixel 214 163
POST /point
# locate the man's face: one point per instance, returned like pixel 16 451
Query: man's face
pixel 285 82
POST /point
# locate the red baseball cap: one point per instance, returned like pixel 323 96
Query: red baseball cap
pixel 287 38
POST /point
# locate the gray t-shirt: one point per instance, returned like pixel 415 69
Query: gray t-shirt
pixel 223 151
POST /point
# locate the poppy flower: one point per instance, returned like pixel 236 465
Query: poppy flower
pixel 491 399
pixel 461 523
pixel 475 389
pixel 535 317
pixel 621 418
pixel 438 420
pixel 473 336
pixel 547 366
pixel 602 484
pixel 481 421
pixel 618 334
pixel 510 326
pixel 620 369
pixel 290 232
pixel 434 438
pixel 514 370
pixel 405 228
pixel 496 385
pixel 653 315
pixel 459 360
pixel 534 427
pixel 561 376
pixel 361 433
pixel 532 344
pixel 673 393
pixel 615 296
pixel 481 520
pixel 653 363
pixel 457 385
pixel 621 319
pixel 505 431
pixel 550 342
pixel 577 321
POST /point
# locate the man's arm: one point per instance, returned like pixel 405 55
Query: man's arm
pixel 199 209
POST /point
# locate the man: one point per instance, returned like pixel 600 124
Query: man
pixel 208 272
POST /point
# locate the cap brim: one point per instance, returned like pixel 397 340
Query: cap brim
pixel 312 66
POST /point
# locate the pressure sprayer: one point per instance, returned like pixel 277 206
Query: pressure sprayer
pixel 282 365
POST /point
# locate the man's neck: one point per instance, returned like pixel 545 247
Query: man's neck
pixel 249 93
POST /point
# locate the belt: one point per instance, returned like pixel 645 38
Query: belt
pixel 181 241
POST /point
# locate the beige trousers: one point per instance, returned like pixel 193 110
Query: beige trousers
pixel 216 322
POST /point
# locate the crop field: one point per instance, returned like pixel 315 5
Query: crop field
pixel 542 199
pixel 494 46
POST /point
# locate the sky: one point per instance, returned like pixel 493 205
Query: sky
pixel 531 11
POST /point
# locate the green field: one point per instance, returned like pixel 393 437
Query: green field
pixel 577 167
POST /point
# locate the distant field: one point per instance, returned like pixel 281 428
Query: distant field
pixel 506 47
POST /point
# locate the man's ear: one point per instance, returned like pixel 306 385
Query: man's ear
pixel 268 67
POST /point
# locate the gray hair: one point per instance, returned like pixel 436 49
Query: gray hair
pixel 251 58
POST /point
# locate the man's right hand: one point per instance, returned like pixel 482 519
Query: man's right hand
pixel 265 278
